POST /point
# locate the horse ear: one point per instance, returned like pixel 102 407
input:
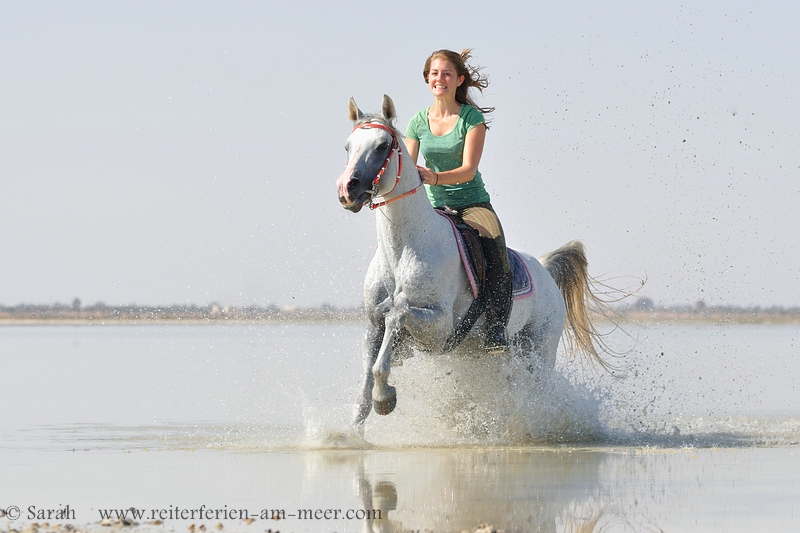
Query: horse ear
pixel 353 112
pixel 388 108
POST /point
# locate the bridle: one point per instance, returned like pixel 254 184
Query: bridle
pixel 376 182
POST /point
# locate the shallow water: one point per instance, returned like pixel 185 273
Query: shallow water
pixel 696 431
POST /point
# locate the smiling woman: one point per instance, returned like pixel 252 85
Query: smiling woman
pixel 450 135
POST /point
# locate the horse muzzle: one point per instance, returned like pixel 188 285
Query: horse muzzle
pixel 355 207
pixel 349 195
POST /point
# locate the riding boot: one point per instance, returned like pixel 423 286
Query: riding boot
pixel 499 298
pixel 498 311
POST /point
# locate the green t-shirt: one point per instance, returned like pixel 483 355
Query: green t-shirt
pixel 446 152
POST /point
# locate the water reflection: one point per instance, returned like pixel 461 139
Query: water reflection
pixel 468 489
pixel 379 501
pixel 515 489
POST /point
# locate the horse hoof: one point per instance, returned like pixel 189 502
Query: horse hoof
pixel 387 405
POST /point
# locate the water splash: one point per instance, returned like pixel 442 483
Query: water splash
pixel 701 386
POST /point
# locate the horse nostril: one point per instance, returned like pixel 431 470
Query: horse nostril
pixel 352 184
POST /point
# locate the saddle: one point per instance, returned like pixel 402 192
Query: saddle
pixel 474 260
pixel 471 252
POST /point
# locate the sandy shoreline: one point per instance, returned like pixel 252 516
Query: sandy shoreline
pixel 668 316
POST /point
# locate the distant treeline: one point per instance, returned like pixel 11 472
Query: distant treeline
pixel 645 310
pixel 642 310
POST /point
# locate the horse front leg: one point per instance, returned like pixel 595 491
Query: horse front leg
pixel 425 324
pixel 372 345
pixel 384 396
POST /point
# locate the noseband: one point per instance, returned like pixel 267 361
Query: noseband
pixel 376 182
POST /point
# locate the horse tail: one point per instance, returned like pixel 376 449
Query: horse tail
pixel 570 270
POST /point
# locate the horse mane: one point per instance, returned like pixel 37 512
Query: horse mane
pixel 380 119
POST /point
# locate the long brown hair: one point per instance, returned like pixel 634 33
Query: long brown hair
pixel 472 75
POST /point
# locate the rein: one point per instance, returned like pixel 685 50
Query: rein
pixel 376 182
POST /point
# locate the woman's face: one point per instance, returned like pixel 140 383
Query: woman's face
pixel 443 79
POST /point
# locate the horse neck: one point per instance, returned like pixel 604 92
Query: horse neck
pixel 399 222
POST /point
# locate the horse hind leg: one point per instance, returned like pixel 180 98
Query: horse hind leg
pixel 538 345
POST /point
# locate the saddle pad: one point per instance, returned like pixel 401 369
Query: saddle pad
pixel 522 285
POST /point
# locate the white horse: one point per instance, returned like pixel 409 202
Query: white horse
pixel 417 291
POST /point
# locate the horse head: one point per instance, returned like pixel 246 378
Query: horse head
pixel 369 148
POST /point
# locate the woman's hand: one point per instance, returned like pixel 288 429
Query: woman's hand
pixel 428 176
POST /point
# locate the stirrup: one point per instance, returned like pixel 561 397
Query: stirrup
pixel 495 341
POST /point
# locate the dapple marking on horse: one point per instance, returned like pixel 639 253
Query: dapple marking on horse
pixel 416 290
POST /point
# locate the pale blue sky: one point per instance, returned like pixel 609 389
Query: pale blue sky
pixel 187 152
